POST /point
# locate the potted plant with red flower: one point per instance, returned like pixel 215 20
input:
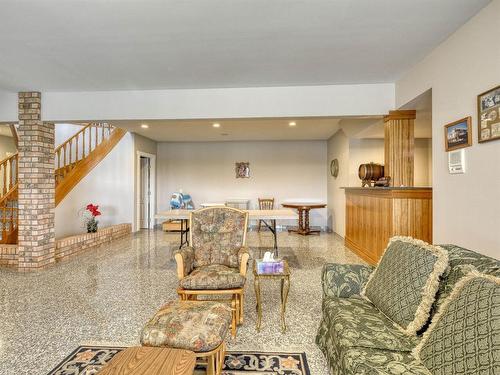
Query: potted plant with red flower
pixel 92 211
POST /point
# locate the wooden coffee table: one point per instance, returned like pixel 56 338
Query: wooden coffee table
pixel 141 360
pixel 303 208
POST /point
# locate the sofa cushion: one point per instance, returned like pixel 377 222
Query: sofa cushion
pixel 464 336
pixel 404 283
pixel 460 262
pixel 215 276
pixel 461 257
pixel 196 326
pixel 344 280
pixel 356 361
pixel 356 322
pixel 453 276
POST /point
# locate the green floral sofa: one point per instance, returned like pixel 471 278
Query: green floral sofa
pixel 357 338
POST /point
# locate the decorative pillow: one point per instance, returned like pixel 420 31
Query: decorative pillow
pixel 452 278
pixel 448 281
pixel 464 336
pixel 404 283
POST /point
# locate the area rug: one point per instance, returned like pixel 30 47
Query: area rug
pixel 88 360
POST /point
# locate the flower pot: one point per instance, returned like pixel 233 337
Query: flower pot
pixel 92 225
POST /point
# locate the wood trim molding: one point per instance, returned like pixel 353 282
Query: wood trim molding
pixel 414 193
pixel 410 114
pixel 87 164
pixel 362 253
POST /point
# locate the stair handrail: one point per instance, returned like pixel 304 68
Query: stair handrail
pixel 66 156
pixel 15 134
pixel 8 193
pixel 8 175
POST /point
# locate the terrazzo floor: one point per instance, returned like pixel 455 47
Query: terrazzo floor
pixel 106 296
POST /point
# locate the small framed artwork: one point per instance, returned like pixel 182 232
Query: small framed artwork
pixel 458 134
pixel 242 170
pixel 334 168
pixel 488 111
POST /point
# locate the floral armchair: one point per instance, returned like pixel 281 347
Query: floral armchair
pixel 216 261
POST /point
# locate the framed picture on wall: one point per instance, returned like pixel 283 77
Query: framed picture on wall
pixel 458 134
pixel 242 169
pixel 488 111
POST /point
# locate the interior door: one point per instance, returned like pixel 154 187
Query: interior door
pixel 145 193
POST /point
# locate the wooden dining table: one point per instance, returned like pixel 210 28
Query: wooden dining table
pixel 303 209
pixel 269 218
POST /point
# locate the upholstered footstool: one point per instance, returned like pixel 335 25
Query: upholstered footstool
pixel 199 326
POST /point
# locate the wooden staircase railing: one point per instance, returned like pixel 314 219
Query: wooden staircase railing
pixel 74 159
pixel 8 199
pixel 79 146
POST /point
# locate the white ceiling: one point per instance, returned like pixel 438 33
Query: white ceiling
pixel 261 129
pixel 79 45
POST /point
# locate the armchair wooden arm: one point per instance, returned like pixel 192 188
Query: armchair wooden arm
pixel 243 256
pixel 184 259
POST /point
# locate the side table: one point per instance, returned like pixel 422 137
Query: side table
pixel 284 277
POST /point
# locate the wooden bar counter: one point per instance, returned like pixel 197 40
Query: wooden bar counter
pixel 373 215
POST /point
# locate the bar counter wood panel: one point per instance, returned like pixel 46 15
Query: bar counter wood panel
pixel 374 215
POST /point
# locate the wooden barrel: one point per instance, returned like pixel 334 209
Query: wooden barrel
pixel 370 172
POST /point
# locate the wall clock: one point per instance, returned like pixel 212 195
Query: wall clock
pixel 334 168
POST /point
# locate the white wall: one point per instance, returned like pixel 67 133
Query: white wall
pixel 146 145
pixel 423 162
pixel 65 131
pixel 7 146
pixel 466 207
pixel 338 148
pixel 333 100
pixel 8 106
pixel 362 151
pixel 206 171
pixel 110 185
pixel 336 100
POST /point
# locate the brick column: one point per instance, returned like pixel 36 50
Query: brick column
pixel 36 185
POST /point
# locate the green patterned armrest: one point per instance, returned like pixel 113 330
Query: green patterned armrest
pixel 344 280
pixel 185 260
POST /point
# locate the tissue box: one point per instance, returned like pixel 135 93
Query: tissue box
pixel 274 267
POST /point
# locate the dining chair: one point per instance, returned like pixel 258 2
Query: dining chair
pixel 265 204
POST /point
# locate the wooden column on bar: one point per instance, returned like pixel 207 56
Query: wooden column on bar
pixel 399 147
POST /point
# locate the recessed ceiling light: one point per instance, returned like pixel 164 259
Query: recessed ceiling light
pixel 292 123
pixel 216 125
pixel 144 126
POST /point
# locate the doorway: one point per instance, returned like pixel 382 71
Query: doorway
pixel 145 190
